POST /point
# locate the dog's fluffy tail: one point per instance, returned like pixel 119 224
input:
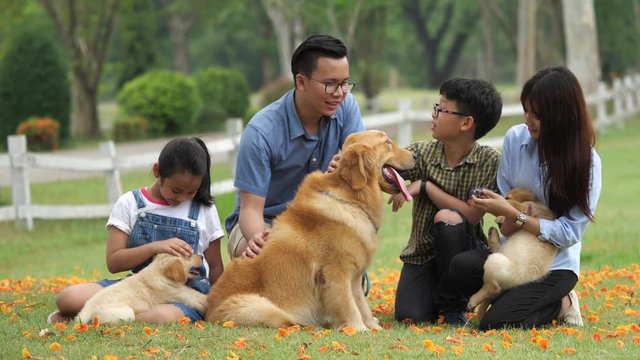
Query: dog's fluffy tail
pixel 251 309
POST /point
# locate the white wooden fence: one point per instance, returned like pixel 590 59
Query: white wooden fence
pixel 610 105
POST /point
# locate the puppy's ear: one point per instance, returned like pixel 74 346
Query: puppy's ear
pixel 175 271
pixel 357 165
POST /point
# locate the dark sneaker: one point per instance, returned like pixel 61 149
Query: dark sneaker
pixel 455 318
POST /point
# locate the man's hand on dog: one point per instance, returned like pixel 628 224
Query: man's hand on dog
pixel 255 244
pixel 333 164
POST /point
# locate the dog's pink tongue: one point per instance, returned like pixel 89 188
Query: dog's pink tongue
pixel 399 181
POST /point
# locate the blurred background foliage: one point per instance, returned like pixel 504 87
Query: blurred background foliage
pixel 237 52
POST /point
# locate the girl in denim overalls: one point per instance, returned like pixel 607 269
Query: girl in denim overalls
pixel 176 215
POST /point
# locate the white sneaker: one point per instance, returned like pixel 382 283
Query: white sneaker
pixel 50 317
pixel 572 316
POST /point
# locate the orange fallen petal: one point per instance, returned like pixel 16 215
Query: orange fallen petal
pixel 569 350
pixel 228 324
pixel 349 330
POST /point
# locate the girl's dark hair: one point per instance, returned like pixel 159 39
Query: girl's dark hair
pixel 555 97
pixel 305 58
pixel 188 155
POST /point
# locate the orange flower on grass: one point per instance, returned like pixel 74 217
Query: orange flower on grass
pixel 569 350
pixel 147 330
pixel 596 337
pixel 457 350
pixel 349 330
pixel 199 325
pixel 61 327
pixel 55 347
pixel 228 324
pixel 593 318
pixel 241 343
pixel 636 340
pixel 338 347
pixel 151 351
pixel 488 347
pixel 25 354
pixel 184 321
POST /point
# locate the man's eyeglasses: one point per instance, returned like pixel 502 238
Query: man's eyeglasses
pixel 437 110
pixel 331 87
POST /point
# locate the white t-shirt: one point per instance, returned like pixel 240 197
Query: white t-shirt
pixel 125 213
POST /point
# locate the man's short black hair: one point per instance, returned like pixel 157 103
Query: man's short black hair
pixel 304 58
pixel 477 98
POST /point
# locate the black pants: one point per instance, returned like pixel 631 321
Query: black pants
pixel 427 289
pixel 527 306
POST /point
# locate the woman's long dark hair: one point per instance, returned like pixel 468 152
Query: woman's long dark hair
pixel 190 155
pixel 555 97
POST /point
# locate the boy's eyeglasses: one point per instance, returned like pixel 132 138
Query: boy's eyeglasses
pixel 331 87
pixel 437 110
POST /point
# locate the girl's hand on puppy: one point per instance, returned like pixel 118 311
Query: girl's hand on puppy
pixel 492 203
pixel 173 246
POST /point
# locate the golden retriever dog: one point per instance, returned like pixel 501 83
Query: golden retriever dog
pixel 161 282
pixel 310 270
pixel 523 258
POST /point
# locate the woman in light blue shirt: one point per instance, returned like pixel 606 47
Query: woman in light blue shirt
pixel 552 155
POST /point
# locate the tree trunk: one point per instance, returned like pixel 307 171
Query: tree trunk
pixel 85 109
pixel 526 60
pixel 582 42
pixel 286 20
pixel 85 43
pixel 180 27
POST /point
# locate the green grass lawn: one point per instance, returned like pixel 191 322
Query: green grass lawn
pixel 34 266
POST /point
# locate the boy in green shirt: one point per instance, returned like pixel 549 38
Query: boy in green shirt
pixel 448 168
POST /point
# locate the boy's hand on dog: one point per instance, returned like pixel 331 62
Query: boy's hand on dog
pixel 173 246
pixel 398 200
pixel 255 244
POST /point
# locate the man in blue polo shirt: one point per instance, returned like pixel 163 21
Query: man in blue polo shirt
pixel 291 137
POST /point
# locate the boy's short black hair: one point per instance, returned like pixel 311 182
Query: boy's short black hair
pixel 304 58
pixel 477 98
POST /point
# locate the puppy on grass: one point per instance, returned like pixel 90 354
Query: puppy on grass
pixel 162 282
pixel 523 258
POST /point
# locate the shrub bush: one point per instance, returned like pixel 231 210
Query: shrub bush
pixel 43 134
pixel 33 82
pixel 274 91
pixel 168 100
pixel 224 92
pixel 130 128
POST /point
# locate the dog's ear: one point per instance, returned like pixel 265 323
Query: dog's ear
pixel 357 165
pixel 175 271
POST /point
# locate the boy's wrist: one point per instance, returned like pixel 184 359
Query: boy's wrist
pixel 423 188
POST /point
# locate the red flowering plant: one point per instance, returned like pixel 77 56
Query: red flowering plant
pixel 43 134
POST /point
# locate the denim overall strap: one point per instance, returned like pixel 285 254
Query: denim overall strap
pixel 153 227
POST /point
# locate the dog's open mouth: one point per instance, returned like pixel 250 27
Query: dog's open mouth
pixel 391 176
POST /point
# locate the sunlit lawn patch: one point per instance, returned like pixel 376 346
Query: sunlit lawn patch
pixel 608 303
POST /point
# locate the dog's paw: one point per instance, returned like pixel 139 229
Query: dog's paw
pixel 493 231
